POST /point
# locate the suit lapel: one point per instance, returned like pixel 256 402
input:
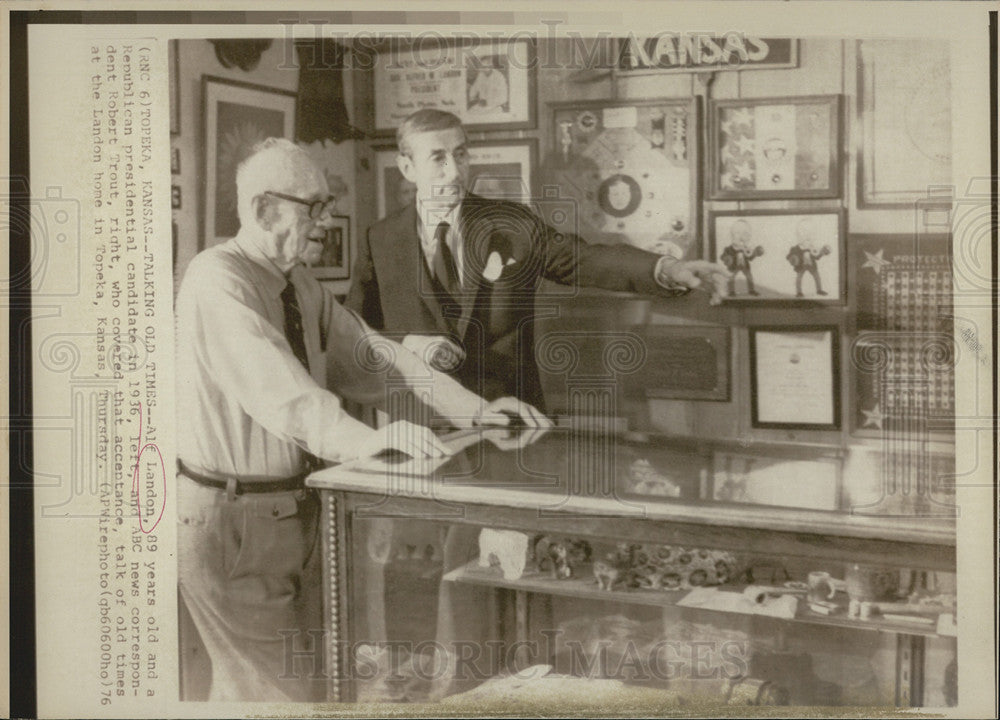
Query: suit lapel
pixel 475 236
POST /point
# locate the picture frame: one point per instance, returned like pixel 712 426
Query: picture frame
pixel 631 168
pixel 499 170
pixel 334 262
pixel 174 63
pixel 795 377
pixel 684 362
pixel 915 104
pixel 781 255
pixel 236 116
pixel 488 83
pixel 807 478
pixel 775 148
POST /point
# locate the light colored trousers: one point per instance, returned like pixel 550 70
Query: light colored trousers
pixel 249 572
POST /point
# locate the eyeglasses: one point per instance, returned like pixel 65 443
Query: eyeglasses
pixel 316 207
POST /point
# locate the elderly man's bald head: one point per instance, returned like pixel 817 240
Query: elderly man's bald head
pixel 279 165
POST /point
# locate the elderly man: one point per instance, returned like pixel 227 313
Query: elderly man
pixel 459 272
pixel 252 330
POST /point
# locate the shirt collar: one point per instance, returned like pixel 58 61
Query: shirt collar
pixel 271 277
pixel 427 233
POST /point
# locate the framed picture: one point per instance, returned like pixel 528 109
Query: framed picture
pixel 773 148
pixel 780 255
pixel 237 115
pixel 500 170
pixel 333 262
pixel 631 171
pixel 489 84
pixel 904 112
pixel 683 362
pixel 173 60
pixel 795 377
pixel 807 480
pixel 903 383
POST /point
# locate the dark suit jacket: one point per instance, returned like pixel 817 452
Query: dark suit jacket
pixel 507 250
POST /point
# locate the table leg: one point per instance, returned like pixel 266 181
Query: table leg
pixel 909 670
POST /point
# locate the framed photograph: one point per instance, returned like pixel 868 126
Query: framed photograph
pixel 173 60
pixel 904 112
pixel 334 261
pixel 489 84
pixel 499 170
pixel 631 170
pixel 780 255
pixel 772 148
pixel 795 377
pixel 237 115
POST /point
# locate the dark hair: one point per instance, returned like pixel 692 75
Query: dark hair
pixel 424 120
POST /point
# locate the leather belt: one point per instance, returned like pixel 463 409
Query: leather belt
pixel 238 486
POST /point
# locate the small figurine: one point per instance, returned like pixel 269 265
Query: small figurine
pixel 804 257
pixel 561 556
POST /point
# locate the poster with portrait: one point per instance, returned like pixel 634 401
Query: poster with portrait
pixel 237 116
pixel 499 170
pixel 780 255
pixel 488 84
pixel 775 148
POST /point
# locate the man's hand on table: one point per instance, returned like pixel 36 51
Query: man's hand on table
pixel 513 413
pixel 414 440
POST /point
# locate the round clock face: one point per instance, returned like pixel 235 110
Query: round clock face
pixel 631 183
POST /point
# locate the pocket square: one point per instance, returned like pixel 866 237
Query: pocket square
pixel 495 265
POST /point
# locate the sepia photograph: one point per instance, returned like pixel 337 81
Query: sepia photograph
pixel 560 362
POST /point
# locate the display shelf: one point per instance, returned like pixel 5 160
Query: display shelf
pixel 586 587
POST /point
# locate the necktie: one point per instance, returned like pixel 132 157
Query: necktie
pixel 293 324
pixel 296 338
pixel 445 269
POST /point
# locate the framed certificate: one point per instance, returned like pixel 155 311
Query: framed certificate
pixel 773 148
pixel 489 84
pixel 795 377
pixel 780 255
pixel 499 170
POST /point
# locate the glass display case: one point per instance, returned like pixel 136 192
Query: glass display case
pixel 577 565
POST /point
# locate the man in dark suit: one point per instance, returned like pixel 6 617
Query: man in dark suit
pixel 457 273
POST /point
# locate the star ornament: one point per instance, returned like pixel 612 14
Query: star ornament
pixel 875 261
pixel 873 417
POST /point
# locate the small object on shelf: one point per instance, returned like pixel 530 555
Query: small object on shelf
pixel 820 608
pixel 915 619
pixel 866 610
pixel 868 582
pixel 561 556
pixel 606 574
pixel 854 609
pixel 505 549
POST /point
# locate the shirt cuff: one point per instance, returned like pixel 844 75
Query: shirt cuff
pixel 660 275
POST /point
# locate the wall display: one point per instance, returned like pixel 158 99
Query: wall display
pixel 904 108
pixel 500 170
pixel 631 170
pixel 703 52
pixel 775 148
pixel 333 262
pixel 237 116
pixel 904 356
pixel 780 254
pixel 903 382
pixel 489 84
pixel 795 377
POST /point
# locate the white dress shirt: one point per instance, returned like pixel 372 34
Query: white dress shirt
pixel 247 405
